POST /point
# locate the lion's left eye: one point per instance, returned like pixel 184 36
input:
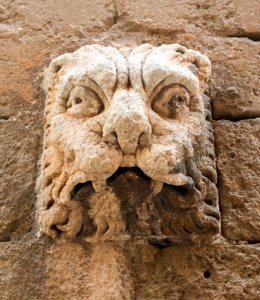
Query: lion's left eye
pixel 171 102
pixel 85 102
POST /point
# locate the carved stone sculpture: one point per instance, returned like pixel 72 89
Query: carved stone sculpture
pixel 128 150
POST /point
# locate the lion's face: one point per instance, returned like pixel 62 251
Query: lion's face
pixel 135 108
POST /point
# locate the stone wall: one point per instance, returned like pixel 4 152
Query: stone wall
pixel 221 266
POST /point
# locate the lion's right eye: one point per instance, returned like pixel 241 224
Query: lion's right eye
pixel 172 102
pixel 84 102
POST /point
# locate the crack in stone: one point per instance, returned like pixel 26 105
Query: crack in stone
pixel 252 36
pixel 4 118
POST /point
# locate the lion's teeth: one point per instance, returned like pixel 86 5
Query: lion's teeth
pixel 156 187
pixel 99 186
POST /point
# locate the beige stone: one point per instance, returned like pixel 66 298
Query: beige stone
pixel 234 87
pixel 247 14
pixel 66 267
pixel 217 270
pixel 139 108
pixel 22 269
pixel 20 131
pixel 238 148
pixel 32 34
pixel 56 16
pixel 236 18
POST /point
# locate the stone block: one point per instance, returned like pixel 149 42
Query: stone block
pixel 234 87
pixel 246 16
pixel 20 131
pixel 22 270
pixel 237 148
pixel 58 17
pixel 217 270
pixel 236 17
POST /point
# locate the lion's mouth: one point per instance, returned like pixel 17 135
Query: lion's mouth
pixel 128 182
pixel 142 204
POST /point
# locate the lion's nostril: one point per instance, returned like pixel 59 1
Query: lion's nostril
pixel 114 134
pixel 111 138
pixel 128 136
pixel 144 139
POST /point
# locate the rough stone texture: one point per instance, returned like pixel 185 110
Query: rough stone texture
pixel 64 275
pixel 32 33
pixel 150 116
pixel 236 17
pixel 20 132
pixel 22 269
pixel 234 87
pixel 216 270
pixel 55 16
pixel 245 18
pixel 238 148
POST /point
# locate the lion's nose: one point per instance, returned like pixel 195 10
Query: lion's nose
pixel 127 125
pixel 129 135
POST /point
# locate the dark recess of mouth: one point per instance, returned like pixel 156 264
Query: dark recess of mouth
pixel 130 185
pixel 123 182
pixel 82 190
pixel 134 189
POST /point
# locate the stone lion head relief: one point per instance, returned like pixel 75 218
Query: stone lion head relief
pixel 128 148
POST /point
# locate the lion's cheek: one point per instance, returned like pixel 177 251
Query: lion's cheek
pixel 160 161
pixel 100 160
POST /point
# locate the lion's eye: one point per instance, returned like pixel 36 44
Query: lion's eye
pixel 84 102
pixel 171 102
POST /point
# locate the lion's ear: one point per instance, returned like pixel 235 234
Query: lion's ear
pixel 53 69
pixel 202 65
pixel 59 62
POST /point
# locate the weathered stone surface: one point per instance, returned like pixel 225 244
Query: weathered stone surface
pixel 213 271
pixel 38 31
pixel 238 162
pixel 38 269
pixel 32 33
pixel 20 132
pixel 22 270
pixel 68 270
pixel 51 17
pixel 234 87
pixel 114 262
pixel 246 15
pixel 110 110
pixel 236 17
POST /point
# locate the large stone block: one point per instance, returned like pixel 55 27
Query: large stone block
pixel 236 17
pixel 238 147
pixel 56 17
pixel 217 270
pixel 234 87
pixel 246 16
pixel 79 271
pixel 22 270
pixel 20 131
pixel 37 269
